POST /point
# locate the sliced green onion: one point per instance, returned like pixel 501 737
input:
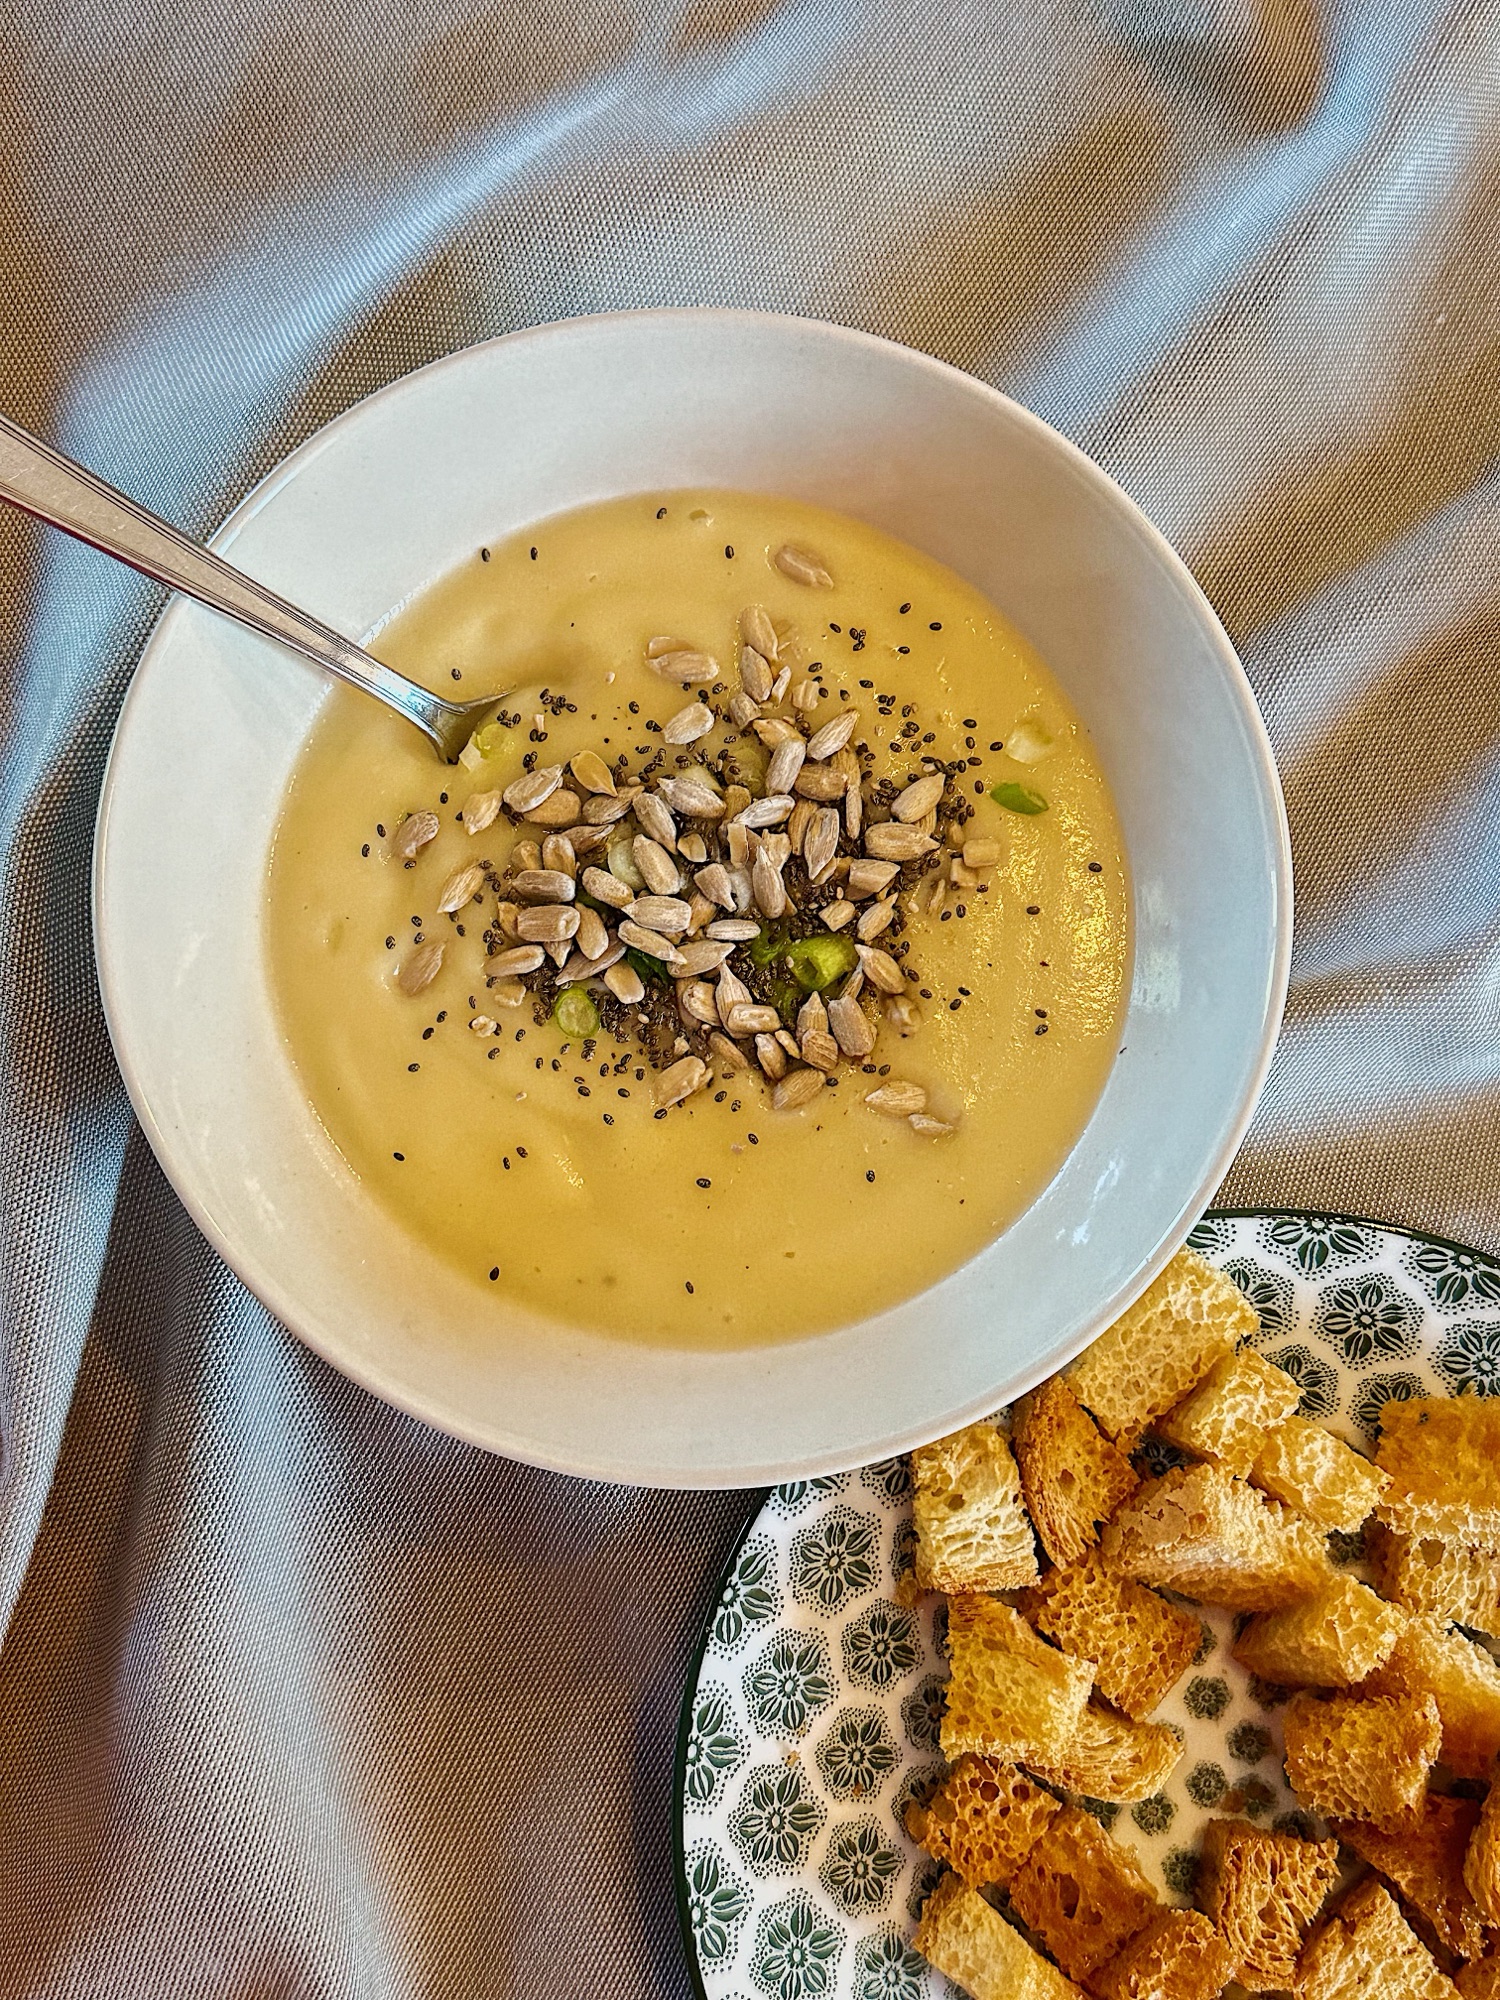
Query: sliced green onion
pixel 1018 799
pixel 575 1012
pixel 648 967
pixel 768 947
pixel 816 962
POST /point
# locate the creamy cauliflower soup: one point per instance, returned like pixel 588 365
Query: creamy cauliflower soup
pixel 759 963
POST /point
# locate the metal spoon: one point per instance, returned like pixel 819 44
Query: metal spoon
pixel 43 482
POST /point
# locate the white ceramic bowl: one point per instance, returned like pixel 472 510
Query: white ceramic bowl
pixel 401 488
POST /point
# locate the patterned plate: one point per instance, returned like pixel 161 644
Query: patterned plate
pixel 812 1713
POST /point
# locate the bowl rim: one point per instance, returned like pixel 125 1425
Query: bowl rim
pixel 278 1299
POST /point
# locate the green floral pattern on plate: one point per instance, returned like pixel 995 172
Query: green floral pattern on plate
pixel 813 1715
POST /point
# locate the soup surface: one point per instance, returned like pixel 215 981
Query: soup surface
pixel 542 1162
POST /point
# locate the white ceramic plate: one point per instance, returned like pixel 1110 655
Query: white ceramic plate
pixel 812 1712
pixel 399 490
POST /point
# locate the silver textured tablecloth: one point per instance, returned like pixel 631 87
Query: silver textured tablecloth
pixel 298 1698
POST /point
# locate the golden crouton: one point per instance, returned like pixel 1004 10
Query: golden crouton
pixel 1227 1416
pixel 1202 1532
pixel 1443 1458
pixel 1141 1645
pixel 1427 1865
pixel 983 1820
pixel 1367 1951
pixel 1456 1581
pixel 1010 1695
pixel 1162 1347
pixel 1463 1678
pixel 1178 1956
pixel 972 1530
pixel 1071 1474
pixel 1318 1474
pixel 1481 1981
pixel 1482 1861
pixel 1082 1894
pixel 1356 1756
pixel 1112 1758
pixel 1332 1639
pixel 1262 1890
pixel 978 1950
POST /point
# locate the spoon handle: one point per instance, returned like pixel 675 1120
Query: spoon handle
pixel 55 489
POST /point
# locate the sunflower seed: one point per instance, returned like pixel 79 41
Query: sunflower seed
pixel 525 854
pixel 480 809
pixel 689 723
pixel 755 674
pixel 659 871
pixel 626 984
pixel 775 729
pixel 981 853
pixel 413 833
pixel 662 644
pixel 602 810
pixel 701 909
pixel 685 666
pixel 736 798
pixel 622 864
pixel 769 811
pixel 543 885
pixel 820 781
pixel 505 916
pixel 821 1051
pixel 897 1100
pixel 833 736
pixel 727 1052
pixel 738 839
pixel 701 955
pixel 822 843
pixel 837 913
pixel 733 930
pixel 854 812
pixel 876 919
pixel 776 848
pixel 692 847
pixel 904 1015
pixel 507 993
pixel 607 888
pixel 787 760
pixel 667 914
pixel 930 1128
pixel 854 985
pixel 715 884
pixel 769 889
pixel 740 884
pixel 758 631
pixel 591 771
pixel 732 991
pixel 421 968
pixel 781 683
pixel 652 943
pixel 558 852
pixel 797 1090
pixel 919 798
pixel 593 938
pixel 802 566
pixel 587 840
pixel 696 999
pixel 481 1024
pixel 460 886
pixel 548 923
pixel 692 797
pixel 511 964
pixel 750 1018
pixel 851 1029
pixel 527 793
pixel 804 811
pixel 961 877
pixel 805 696
pixel 869 878
pixel 680 1081
pixel 560 810
pixel 881 969
pixel 927 898
pixel 892 841
pixel 771 1057
pixel 743 709
pixel 812 1016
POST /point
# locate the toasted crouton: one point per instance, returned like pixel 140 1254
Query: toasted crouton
pixel 1262 1891
pixel 1110 1757
pixel 978 1950
pixel 1202 1532
pixel 1482 1861
pixel 1481 1981
pixel 1367 1949
pixel 1178 1956
pixel 1010 1695
pixel 1318 1474
pixel 1071 1474
pixel 983 1820
pixel 1443 1457
pixel 1081 1893
pixel 1357 1756
pixel 1458 1582
pixel 1331 1639
pixel 1227 1416
pixel 1163 1347
pixel 972 1529
pixel 1427 1865
pixel 1141 1645
pixel 1463 1678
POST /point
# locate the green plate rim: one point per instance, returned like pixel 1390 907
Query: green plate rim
pixel 700 1651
